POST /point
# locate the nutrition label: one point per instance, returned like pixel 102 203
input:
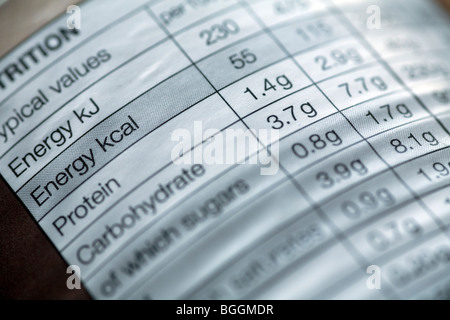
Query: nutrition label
pixel 356 97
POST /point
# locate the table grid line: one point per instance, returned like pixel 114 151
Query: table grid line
pixel 387 67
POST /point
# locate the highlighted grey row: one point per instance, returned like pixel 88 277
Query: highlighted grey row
pixel 111 137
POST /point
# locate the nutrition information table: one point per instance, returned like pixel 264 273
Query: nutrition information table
pixel 362 114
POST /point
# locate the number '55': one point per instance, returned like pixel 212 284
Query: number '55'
pixel 239 60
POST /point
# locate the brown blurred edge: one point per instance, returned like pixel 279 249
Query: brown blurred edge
pixel 30 267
